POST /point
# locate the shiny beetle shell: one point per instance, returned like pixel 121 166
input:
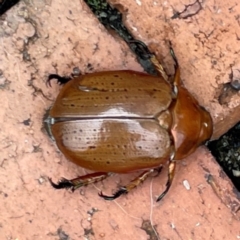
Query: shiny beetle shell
pixel 122 121
pixel 108 121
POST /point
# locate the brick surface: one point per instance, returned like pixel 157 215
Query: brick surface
pixel 55 36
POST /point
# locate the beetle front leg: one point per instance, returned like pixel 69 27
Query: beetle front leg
pixel 159 67
pixel 133 184
pixel 171 172
pixel 60 80
pixel 63 80
pixel 78 182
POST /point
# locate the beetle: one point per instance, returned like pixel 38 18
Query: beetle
pixel 125 121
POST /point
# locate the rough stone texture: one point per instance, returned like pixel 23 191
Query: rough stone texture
pixel 205 37
pixel 54 36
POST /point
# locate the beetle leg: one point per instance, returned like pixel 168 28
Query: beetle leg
pixel 171 172
pixel 159 67
pixel 60 80
pixel 78 182
pixel 173 55
pixel 134 183
pixel 141 49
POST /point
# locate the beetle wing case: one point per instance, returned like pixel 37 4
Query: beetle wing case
pixel 113 94
pixel 113 145
pixel 108 121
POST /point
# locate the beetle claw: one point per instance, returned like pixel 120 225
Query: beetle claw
pixel 63 183
pixel 171 172
pixel 60 80
pixel 158 171
pixel 117 194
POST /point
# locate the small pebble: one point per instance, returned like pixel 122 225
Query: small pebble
pixel 186 184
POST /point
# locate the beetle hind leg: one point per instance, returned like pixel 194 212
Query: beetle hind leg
pixel 62 183
pixel 133 184
pixel 121 191
pixel 78 182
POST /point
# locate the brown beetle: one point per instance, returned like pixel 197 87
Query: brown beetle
pixel 123 121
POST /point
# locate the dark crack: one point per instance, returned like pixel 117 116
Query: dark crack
pixel 231 88
pixel 5 5
pixel 189 11
pixel 37 90
pixel 226 150
pixel 26 122
pixel 111 18
pixel 62 235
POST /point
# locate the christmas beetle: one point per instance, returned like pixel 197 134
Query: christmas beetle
pixel 125 121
